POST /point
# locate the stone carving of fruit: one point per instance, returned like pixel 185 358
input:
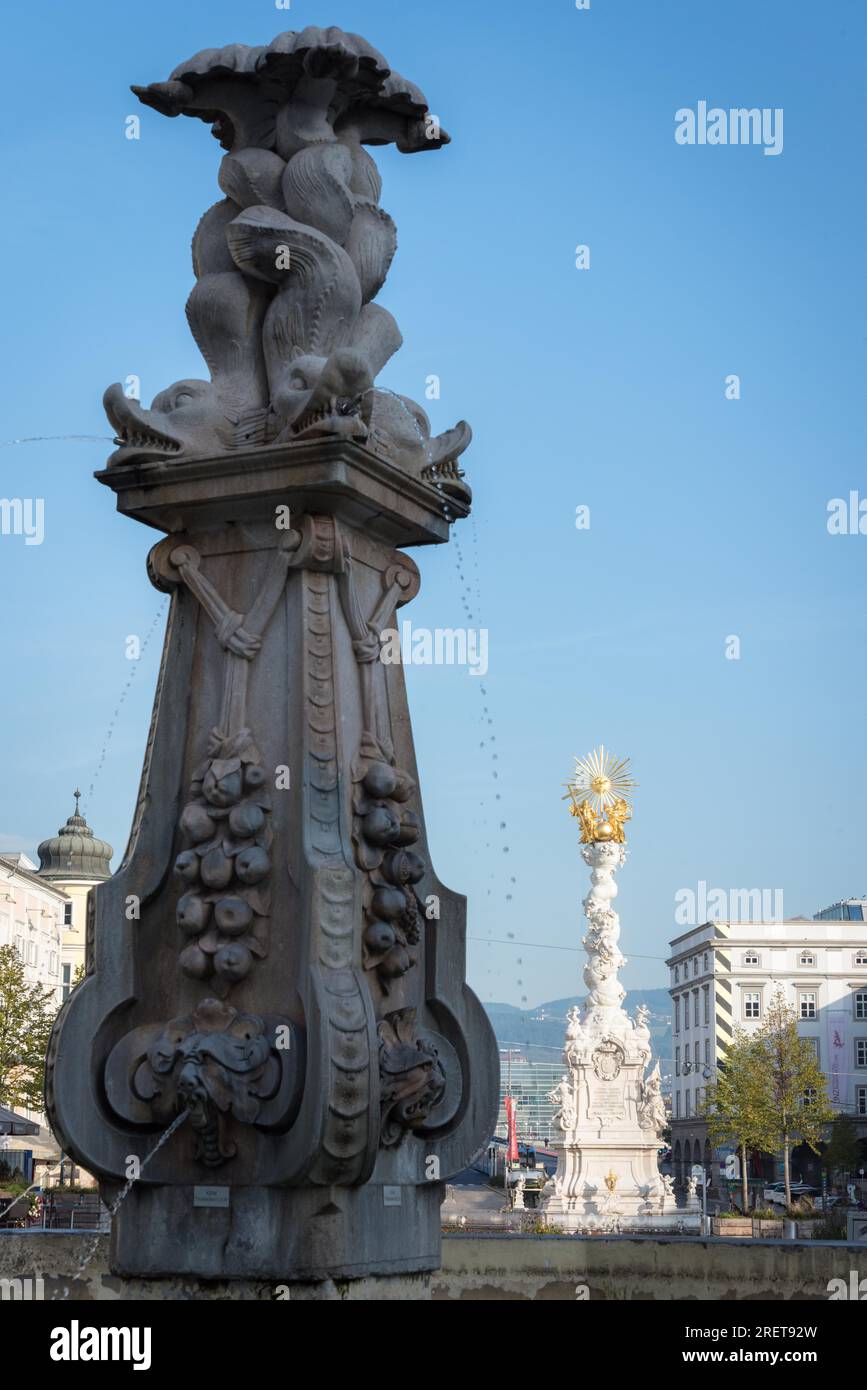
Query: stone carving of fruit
pixel 252 865
pixel 233 916
pixel 379 937
pixel 403 788
pixel 187 866
pixel 222 788
pixel 246 820
pixel 216 869
pixel 405 867
pixel 388 904
pixel 233 962
pixel 194 962
pixel 380 780
pixel 380 826
pixel 254 777
pixel 410 829
pixel 196 823
pixel 396 963
pixel 192 914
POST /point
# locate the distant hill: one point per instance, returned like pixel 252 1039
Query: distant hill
pixel 539 1032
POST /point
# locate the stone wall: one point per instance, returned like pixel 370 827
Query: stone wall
pixel 477 1267
pixel 641 1267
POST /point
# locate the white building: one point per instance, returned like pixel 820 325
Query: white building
pixel 724 974
pixel 31 919
pixel 73 861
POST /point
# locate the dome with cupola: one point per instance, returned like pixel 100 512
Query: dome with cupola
pixel 75 852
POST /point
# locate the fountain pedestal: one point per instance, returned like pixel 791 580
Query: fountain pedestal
pixel 276 955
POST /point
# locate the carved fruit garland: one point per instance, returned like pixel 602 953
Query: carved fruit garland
pixel 223 911
pixel 383 830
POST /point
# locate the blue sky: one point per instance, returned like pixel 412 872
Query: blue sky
pixel 602 387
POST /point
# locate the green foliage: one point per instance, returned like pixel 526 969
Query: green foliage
pixel 791 1070
pixel 843 1151
pixel 833 1228
pixel 759 1098
pixel 26 1015
pixel 735 1105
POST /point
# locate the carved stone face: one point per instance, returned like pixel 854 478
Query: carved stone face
pixel 187 418
pixel 321 396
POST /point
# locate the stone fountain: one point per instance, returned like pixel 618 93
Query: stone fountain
pixel 275 958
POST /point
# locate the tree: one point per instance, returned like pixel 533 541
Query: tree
pixel 843 1151
pixel 794 1097
pixel 735 1105
pixel 26 1015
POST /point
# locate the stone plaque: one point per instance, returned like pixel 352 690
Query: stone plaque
pixel 607 1102
pixel 391 1196
pixel 210 1196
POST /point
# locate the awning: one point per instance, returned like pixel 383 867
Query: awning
pixel 10 1123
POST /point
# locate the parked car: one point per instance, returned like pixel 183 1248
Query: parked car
pixel 776 1192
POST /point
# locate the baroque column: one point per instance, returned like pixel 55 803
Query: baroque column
pixel 274 1040
pixel 610 1112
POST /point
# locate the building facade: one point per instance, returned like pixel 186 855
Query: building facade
pixel 74 860
pixel 529 1083
pixel 32 915
pixel 723 976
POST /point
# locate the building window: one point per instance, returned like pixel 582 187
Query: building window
pixel 814 1043
pixel 706 992
pixel 677 974
pixel 861 1004
pixel 677 1105
pixel 677 1015
pixel 19 946
pixel 707 1052
pixel 810 1095
pixel 686 1013
pixel 695 1007
pixel 861 957
pixel 67 914
pixel 677 1061
pixel 66 981
pixel 32 953
pixel 807 1004
pixel 705 962
pixel 686 1104
pixel 697 1055
pixel 752 958
pixel 752 1004
pixel 861 1099
pixel 806 958
pixel 861 1052
pixel 695 967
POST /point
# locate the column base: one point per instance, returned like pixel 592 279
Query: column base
pixel 290 1235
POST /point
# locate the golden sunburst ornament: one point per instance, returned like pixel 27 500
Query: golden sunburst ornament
pixel 599 792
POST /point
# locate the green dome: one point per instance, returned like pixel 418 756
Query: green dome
pixel 74 852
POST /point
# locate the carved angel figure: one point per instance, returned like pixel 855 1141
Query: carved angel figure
pixel 563 1098
pixel 651 1106
pixel 618 814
